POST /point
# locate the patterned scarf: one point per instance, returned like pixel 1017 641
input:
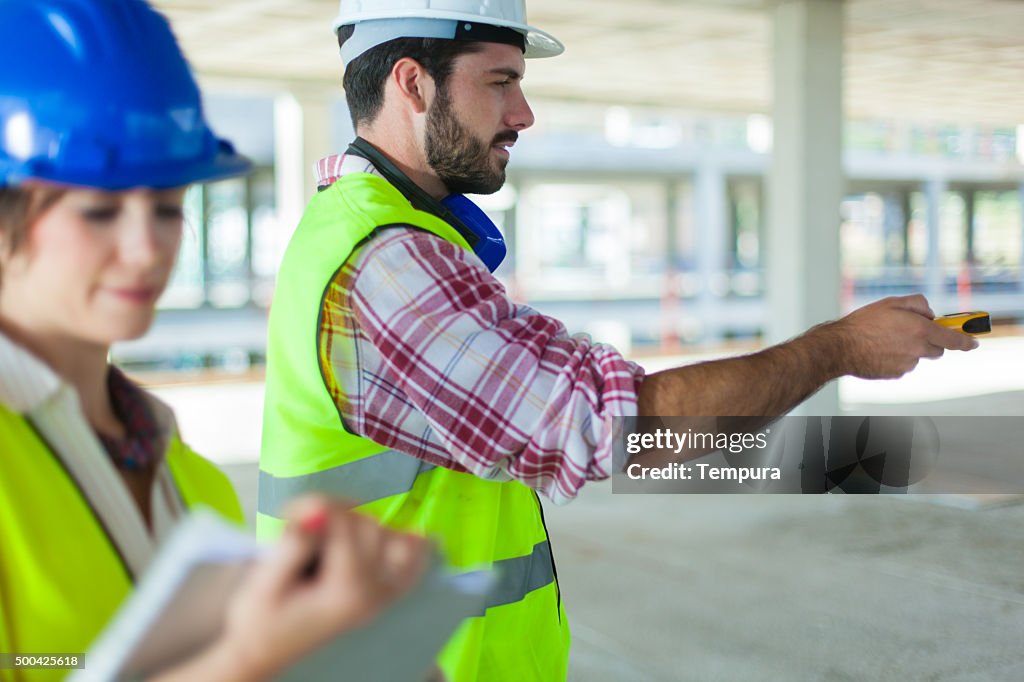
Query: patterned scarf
pixel 138 449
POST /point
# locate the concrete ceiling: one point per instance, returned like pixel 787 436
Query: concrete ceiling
pixel 956 61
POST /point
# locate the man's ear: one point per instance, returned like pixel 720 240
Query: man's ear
pixel 413 84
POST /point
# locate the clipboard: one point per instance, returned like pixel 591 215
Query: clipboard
pixel 178 608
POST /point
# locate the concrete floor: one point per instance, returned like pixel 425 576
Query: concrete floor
pixel 791 588
pixel 769 588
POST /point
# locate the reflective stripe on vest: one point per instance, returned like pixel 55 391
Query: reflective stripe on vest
pixel 391 473
pixel 362 481
pixel 523 633
pixel 521 575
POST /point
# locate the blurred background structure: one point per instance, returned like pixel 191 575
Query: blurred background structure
pixel 705 177
pixel 639 208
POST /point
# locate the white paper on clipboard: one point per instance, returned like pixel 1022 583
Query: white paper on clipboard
pixel 178 608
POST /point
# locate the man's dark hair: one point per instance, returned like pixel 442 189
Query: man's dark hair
pixel 366 75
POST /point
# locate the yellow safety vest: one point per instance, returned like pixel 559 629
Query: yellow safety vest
pixel 523 634
pixel 61 578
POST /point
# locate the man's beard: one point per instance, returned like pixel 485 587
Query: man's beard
pixel 461 160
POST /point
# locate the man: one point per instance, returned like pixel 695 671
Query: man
pixel 400 374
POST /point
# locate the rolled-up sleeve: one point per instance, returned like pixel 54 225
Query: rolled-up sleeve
pixel 437 361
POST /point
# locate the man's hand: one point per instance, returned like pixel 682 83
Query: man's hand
pixel 887 338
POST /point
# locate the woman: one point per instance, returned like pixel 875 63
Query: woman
pixel 101 130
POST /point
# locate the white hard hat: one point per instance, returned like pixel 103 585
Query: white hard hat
pixel 378 21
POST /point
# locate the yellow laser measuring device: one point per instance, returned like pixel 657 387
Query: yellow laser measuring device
pixel 977 322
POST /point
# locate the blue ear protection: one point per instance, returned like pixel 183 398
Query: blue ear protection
pixel 458 211
pixel 491 246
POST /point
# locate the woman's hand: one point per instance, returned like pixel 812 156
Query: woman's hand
pixel 332 571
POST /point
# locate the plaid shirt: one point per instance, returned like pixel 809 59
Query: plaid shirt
pixel 438 363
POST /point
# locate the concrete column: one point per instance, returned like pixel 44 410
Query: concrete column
pixel 907 213
pixel 933 284
pixel 806 179
pixel 1020 267
pixel 969 225
pixel 672 264
pixel 894 228
pixel 302 135
pixel 712 232
pixel 670 309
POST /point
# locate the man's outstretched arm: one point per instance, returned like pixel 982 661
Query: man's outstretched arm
pixel 882 340
pixel 440 365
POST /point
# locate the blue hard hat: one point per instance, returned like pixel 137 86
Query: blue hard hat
pixel 97 93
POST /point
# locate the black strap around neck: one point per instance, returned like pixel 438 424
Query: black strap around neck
pixel 409 189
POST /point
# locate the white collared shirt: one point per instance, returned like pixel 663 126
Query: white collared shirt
pixel 30 388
